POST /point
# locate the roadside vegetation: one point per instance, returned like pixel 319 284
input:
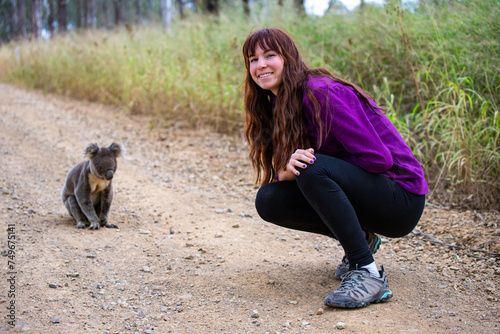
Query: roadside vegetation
pixel 434 69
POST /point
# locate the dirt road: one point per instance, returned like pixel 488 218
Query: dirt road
pixel 191 255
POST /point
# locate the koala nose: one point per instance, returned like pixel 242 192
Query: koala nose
pixel 109 174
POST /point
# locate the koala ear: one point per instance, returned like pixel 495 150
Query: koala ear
pixel 91 150
pixel 116 149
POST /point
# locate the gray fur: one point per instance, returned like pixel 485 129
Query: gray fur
pixel 88 191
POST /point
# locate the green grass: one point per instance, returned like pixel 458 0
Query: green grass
pixel 194 72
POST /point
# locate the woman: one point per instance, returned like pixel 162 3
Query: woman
pixel 329 161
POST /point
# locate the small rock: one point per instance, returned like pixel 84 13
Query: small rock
pixel 255 314
pixel 172 231
pixel 340 325
pixel 236 225
pixel 53 285
pixel 144 231
pixel 490 286
pixel 293 302
pixel 91 256
pixel 56 321
pixel 146 269
pixel 75 274
pixel 218 235
pixel 320 311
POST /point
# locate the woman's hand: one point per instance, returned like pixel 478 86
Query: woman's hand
pixel 300 158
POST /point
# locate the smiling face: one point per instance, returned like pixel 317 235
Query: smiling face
pixel 266 69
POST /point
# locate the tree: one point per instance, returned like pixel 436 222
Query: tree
pixel 85 14
pixel 62 24
pixel 166 18
pixel 180 5
pixel 118 12
pixel 79 13
pixel 213 7
pixel 36 18
pixel 14 24
pixel 51 16
pixel 105 16
pixel 93 14
pixel 138 11
pixel 246 8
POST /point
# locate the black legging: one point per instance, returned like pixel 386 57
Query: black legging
pixel 337 199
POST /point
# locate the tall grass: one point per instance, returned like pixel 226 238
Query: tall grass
pixel 193 73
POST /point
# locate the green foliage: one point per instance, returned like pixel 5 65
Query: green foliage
pixel 194 73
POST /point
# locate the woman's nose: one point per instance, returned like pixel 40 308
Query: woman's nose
pixel 261 63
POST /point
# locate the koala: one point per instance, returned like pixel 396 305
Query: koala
pixel 88 191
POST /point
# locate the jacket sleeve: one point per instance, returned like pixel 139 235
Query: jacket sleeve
pixel 348 120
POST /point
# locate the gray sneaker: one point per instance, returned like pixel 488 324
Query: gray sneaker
pixel 373 241
pixel 358 288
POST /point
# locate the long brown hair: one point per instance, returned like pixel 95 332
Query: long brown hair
pixel 275 127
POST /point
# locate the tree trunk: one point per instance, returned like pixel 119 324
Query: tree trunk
pixel 213 7
pixel 36 18
pixel 180 4
pixel 150 10
pixel 15 19
pixel 165 13
pixel 85 14
pixel 79 13
pixel 51 17
pixel 118 12
pixel 138 11
pixel 61 16
pixel 105 14
pixel 93 14
pixel 246 8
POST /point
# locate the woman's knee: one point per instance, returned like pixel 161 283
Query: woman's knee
pixel 320 168
pixel 264 202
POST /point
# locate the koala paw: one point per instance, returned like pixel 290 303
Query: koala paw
pixel 94 226
pixel 108 225
pixel 81 224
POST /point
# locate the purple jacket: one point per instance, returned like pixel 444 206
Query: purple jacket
pixel 360 136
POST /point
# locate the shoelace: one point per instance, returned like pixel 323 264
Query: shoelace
pixel 350 279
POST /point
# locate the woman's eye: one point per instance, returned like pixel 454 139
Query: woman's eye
pixel 270 55
pixel 252 60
